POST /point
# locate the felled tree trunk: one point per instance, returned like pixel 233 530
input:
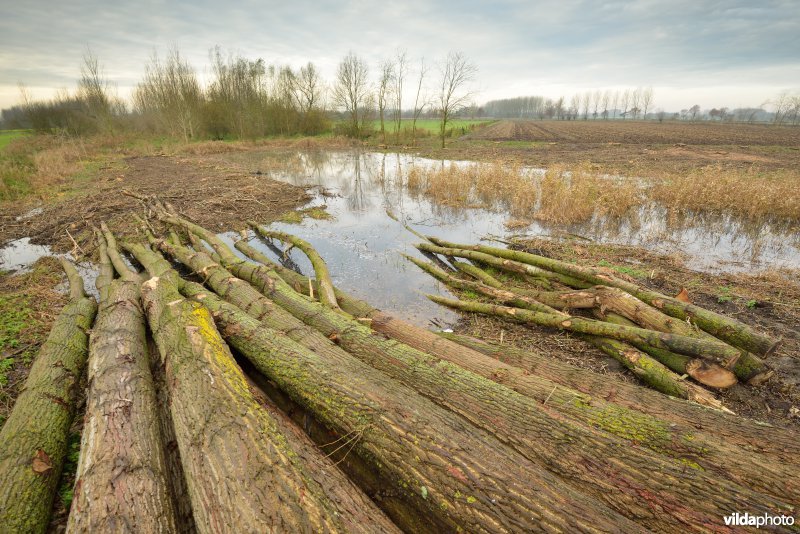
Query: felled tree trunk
pixel 730 330
pixel 241 471
pixel 33 441
pixel 326 293
pixel 121 482
pixel 778 446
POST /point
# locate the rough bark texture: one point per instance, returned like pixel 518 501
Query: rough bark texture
pixel 515 416
pixel 241 474
pixel 713 350
pixel 648 370
pixel 326 293
pixel 730 330
pixel 33 441
pixel 121 481
pixel 434 456
pixel 331 506
pixel 751 436
pixel 703 371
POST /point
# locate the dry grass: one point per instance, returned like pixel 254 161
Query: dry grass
pixel 749 193
pixel 561 195
pixel 572 196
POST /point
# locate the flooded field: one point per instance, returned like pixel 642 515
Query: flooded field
pixel 370 195
pixel 363 244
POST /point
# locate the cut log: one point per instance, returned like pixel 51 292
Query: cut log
pixel 503 264
pixel 33 441
pixel 398 430
pixel 703 371
pixel 648 370
pixel 730 330
pixel 236 444
pixel 510 416
pixel 712 350
pixel 751 437
pixel 121 481
pixel 241 474
pixel 326 293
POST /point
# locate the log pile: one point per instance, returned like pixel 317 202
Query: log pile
pixel 402 429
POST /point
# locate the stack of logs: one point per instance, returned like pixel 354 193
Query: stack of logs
pixel 369 424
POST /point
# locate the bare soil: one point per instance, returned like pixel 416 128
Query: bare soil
pixel 213 196
pixel 769 301
pixel 630 147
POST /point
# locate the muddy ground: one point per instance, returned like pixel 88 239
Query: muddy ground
pixel 223 198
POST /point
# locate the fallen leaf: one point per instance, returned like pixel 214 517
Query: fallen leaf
pixel 41 462
pixel 683 296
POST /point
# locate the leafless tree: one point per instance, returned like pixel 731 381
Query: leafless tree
pixel 693 111
pixel 586 99
pixel 420 101
pixel 636 100
pixel 400 71
pixel 615 103
pixel 647 100
pixel 385 83
pixel 351 91
pixel 596 96
pixel 171 95
pixel 624 102
pixel 604 103
pixel 574 106
pixel 457 71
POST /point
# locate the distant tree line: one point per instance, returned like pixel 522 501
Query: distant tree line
pixel 248 98
pixel 636 104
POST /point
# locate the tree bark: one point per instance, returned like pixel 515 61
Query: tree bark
pixel 712 350
pixel 522 424
pixel 301 501
pixel 33 441
pixel 429 454
pixel 716 429
pixel 121 482
pixel 240 472
pixel 326 293
pixel 701 370
pixel 730 330
pixel 648 370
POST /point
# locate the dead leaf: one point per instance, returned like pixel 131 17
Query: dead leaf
pixel 41 462
pixel 683 296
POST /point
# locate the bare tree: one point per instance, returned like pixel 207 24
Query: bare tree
pixel 615 103
pixel 385 82
pixel 624 102
pixel 647 100
pixel 636 99
pixel 694 110
pixel 596 96
pixel 351 91
pixel 171 95
pixel 585 102
pixel 420 101
pixel 574 106
pixel 456 73
pixel 401 69
pixel 604 103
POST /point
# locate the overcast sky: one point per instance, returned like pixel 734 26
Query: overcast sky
pixel 713 53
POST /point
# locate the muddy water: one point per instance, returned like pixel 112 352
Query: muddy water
pixel 363 245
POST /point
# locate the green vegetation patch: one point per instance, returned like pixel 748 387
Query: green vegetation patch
pixel 7 136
